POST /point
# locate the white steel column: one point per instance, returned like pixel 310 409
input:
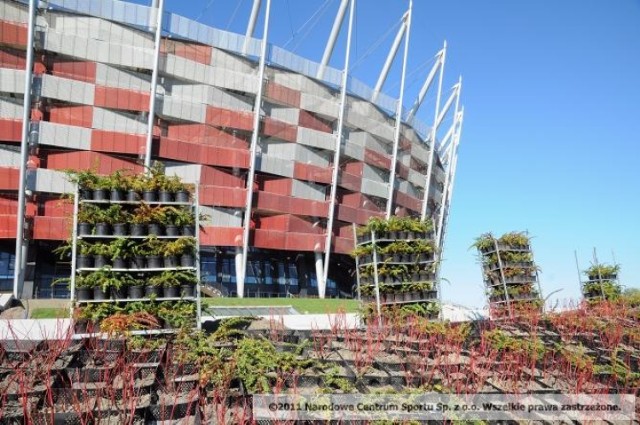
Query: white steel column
pixel 444 214
pixel 322 282
pixel 241 272
pixel 336 157
pixel 154 83
pixel 18 275
pixel 333 36
pixel 390 57
pixel 433 136
pixel 251 26
pixel 396 137
pixel 452 154
pixel 427 83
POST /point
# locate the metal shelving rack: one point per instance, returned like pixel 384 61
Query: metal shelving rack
pixel 194 205
pixel 530 276
pixel 600 280
pixel 376 261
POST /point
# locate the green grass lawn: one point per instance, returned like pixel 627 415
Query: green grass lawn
pixel 302 305
pixel 49 313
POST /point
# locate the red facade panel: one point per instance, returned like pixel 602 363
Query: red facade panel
pixel 408 201
pixel 280 186
pixel 8 226
pixel 312 173
pixel 228 118
pixel 195 52
pixel 269 239
pixel 282 95
pixel 272 202
pixel 280 130
pixel 51 228
pixel 221 236
pixel 57 208
pixel 343 245
pixel 103 164
pixel 112 141
pixel 206 134
pixel 377 159
pixel 10 130
pixel 80 116
pixel 9 178
pixel 350 181
pixel 304 242
pixel 12 59
pixel 123 99
pixel 13 34
pixel 289 223
pixel 82 71
pixel 220 196
pixel 310 120
pixel 215 177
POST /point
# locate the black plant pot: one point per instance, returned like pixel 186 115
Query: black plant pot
pixel 99 294
pixel 136 291
pixel 152 291
pixel 165 196
pixel 83 294
pixel 170 291
pixel 187 260
pixel 138 229
pixel 118 293
pixel 137 262
pixel 187 291
pixel 171 261
pixel 86 194
pixel 102 229
pixel 120 263
pixel 100 261
pixel 150 196
pixel 133 196
pixel 117 195
pixel 84 229
pixel 100 195
pixel 155 229
pixel 120 229
pixel 182 196
pixel 84 261
pixel 172 230
pixel 154 262
pixel 188 230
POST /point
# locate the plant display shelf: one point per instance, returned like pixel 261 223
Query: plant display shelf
pixel 506 290
pixel 106 335
pixel 150 203
pixel 136 240
pixel 379 260
pixel 131 300
pixel 134 270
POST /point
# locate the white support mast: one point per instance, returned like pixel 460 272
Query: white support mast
pixel 396 137
pixel 20 260
pixel 437 122
pixel 390 57
pixel 448 190
pixel 154 84
pixel 322 281
pixel 241 272
pixel 333 36
pixel 427 83
pixel 251 26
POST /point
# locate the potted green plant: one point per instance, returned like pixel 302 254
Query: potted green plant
pixel 141 218
pixel 84 288
pixel 120 251
pixel 118 218
pixel 135 290
pixel 484 243
pixel 86 181
pixel 118 184
pixel 183 249
pixel 518 240
pixel 169 187
pixel 102 189
pixel 138 257
pixel 154 249
pixel 84 259
pixel 152 181
pixel 87 214
pixel 101 254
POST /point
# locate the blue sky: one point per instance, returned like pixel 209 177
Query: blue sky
pixel 551 141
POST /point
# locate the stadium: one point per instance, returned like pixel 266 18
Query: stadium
pixel 287 153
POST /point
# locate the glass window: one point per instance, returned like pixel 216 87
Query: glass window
pixel 268 280
pixel 251 278
pixel 228 270
pixel 282 276
pixel 209 268
pixel 7 260
pixel 293 275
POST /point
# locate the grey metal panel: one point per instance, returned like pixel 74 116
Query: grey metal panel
pixel 276 166
pixel 353 150
pixel 63 135
pixel 9 157
pixel 68 90
pixel 11 81
pixel 189 173
pixel 316 139
pixel 13 12
pixel 374 188
pixel 118 11
pixel 375 174
pixel 168 106
pixel 52 181
pixel 222 217
pixel 308 190
pixel 288 115
pixel 111 76
pixel 416 178
pixel 105 119
pixel 326 107
pixel 99 29
pixel 10 108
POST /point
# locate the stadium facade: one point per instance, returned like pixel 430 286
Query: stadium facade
pixel 321 152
